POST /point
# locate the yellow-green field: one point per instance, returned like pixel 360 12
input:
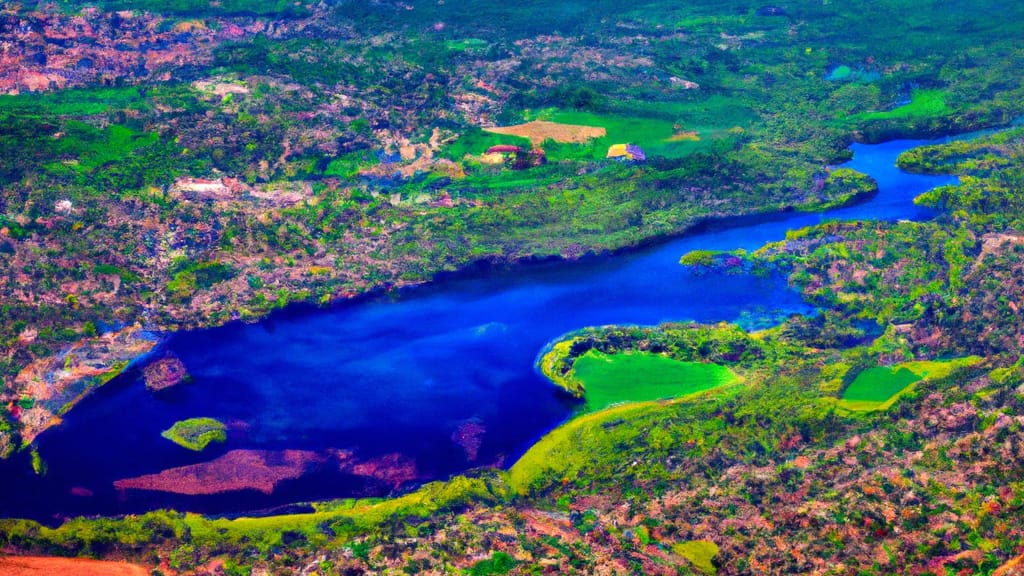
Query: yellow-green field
pixel 700 553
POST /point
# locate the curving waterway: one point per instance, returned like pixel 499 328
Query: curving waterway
pixel 434 383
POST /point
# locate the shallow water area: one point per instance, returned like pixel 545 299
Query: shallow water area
pixel 383 393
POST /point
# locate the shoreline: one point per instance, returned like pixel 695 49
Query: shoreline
pixel 479 268
pixel 489 266
pixel 515 264
pixel 505 265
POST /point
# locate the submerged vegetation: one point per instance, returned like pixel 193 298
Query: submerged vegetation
pixel 269 153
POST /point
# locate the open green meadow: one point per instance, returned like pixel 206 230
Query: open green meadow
pixel 879 388
pixel 700 553
pixel 879 384
pixel 673 131
pixel 612 379
pixel 923 104
pixel 473 142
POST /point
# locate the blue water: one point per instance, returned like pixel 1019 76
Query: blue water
pixel 401 375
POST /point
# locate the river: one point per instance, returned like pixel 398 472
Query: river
pixel 442 377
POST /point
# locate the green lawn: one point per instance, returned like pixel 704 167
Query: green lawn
pixel 566 450
pixel 467 45
pixel 474 141
pixel 612 379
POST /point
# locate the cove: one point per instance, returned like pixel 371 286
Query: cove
pixel 371 396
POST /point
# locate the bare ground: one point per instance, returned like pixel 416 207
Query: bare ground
pixel 539 130
pixel 40 566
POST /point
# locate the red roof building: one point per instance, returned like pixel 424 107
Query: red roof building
pixel 504 148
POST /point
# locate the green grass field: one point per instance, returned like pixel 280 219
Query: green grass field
pixel 75 101
pixel 651 134
pixel 672 130
pixel 475 142
pixel 612 379
pixel 652 127
pixel 566 450
pixel 879 384
pixel 879 388
pixel 700 553
pixel 923 104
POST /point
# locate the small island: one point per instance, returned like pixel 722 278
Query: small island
pixel 165 373
pixel 196 433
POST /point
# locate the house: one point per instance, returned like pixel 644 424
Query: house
pixel 627 152
pixel 504 149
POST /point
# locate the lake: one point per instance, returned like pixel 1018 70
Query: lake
pixel 392 391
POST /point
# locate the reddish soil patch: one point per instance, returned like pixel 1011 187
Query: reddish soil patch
pixel 1014 567
pixel 39 566
pixel 539 130
pixel 165 373
pixel 263 470
pixel 393 469
pixel 688 136
pixel 260 470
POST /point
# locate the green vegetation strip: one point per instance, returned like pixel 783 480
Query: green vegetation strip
pixel 196 433
pixel 651 134
pixel 612 379
pixel 350 516
pixel 75 101
pixel 566 450
pixel 342 518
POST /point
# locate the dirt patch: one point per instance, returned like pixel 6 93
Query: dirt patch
pixel 38 566
pixel 1014 567
pixel 991 243
pixel 539 130
pixel 165 373
pixel 689 136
